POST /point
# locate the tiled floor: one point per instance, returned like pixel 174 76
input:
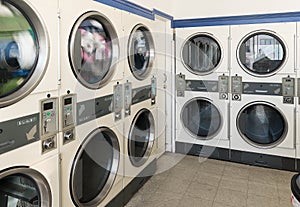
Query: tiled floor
pixel 189 181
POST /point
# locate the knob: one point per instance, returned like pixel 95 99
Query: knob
pixel 48 144
pixel 68 136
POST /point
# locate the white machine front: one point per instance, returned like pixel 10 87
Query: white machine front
pixel 139 142
pixel 263 126
pixel 92 166
pixel 201 118
pixel 263 50
pixel 202 52
pixel 29 178
pixel 29 61
pixel 90 49
pixel 140 49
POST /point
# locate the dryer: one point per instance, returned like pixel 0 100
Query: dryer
pixel 92 157
pixel 202 83
pixel 263 122
pixel 140 90
pixel 28 69
pixel 29 173
pixel 140 64
pixel 140 147
pixel 263 50
pixel 90 49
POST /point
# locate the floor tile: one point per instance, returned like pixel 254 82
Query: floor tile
pixel 188 201
pixel 231 197
pixel 236 172
pixel 201 191
pixel 260 201
pixel 207 178
pixel 234 184
pixel 262 189
pixel 174 185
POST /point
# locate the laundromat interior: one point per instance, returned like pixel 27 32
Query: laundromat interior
pixel 112 103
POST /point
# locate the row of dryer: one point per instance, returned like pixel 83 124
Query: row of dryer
pixel 236 92
pixel 82 100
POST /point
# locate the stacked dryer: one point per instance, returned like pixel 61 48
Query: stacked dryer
pixel 202 105
pixel 140 116
pixel 91 103
pixel 263 87
pixel 28 104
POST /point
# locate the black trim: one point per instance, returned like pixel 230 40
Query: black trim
pixel 202 151
pixel 263 160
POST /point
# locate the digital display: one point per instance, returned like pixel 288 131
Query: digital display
pixel 68 101
pixel 48 106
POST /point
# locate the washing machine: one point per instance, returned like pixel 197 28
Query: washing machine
pixel 91 157
pixel 29 173
pixel 263 122
pixel 263 50
pixel 202 87
pixel 28 71
pixel 140 91
pixel 140 148
pixel 90 50
pixel 263 69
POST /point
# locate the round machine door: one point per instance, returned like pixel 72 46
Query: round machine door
pixel 201 54
pixel 24 51
pixel 95 168
pixel 201 118
pixel 93 50
pixel 261 53
pixel 140 52
pixel 24 187
pixel 262 125
pixel 141 137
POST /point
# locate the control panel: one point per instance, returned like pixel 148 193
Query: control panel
pixel 118 101
pixel 127 98
pixel 180 85
pixel 153 90
pixel 49 117
pixel 236 90
pixel 288 90
pixel 223 85
pixel 68 120
pixel 49 124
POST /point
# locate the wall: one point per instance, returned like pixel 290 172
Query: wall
pixel 184 9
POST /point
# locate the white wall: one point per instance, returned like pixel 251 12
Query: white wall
pixel 183 9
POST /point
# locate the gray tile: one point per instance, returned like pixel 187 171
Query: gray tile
pixel 236 172
pixel 240 185
pixel 173 185
pixel 210 167
pixel 217 204
pixel 207 178
pixel 182 173
pixel 188 201
pixel 201 191
pixel 262 189
pixel 260 201
pixel 262 176
pixel 231 197
pixel 164 197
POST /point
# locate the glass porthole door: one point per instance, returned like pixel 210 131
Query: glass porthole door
pixel 201 118
pixel 201 54
pixel 93 50
pixel 262 125
pixel 261 53
pixel 141 137
pixel 23 51
pixel 24 187
pixel 140 52
pixel 95 168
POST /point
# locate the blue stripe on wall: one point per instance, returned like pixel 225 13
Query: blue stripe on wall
pixel 237 20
